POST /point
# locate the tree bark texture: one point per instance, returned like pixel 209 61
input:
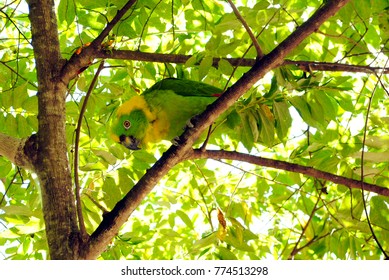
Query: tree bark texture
pixel 52 165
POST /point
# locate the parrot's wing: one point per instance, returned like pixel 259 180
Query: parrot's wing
pixel 186 88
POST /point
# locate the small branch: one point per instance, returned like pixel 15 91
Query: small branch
pixel 307 66
pixel 84 59
pixel 287 166
pixel 295 249
pixel 84 234
pixel 362 184
pixel 248 29
pixel 18 74
pixel 16 26
pixel 98 205
pixel 120 14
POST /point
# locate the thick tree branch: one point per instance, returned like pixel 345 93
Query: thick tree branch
pixel 52 165
pixel 21 152
pixel 287 166
pixel 307 66
pixel 112 221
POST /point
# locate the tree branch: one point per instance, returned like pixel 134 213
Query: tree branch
pixel 113 220
pixel 307 66
pixel 52 165
pixel 18 150
pixel 120 14
pixel 287 166
pixel 84 234
pixel 81 60
pixel 248 29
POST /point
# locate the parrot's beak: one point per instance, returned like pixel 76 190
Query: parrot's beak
pixel 129 142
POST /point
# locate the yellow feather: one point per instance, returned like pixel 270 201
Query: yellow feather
pixel 136 103
pixel 158 129
pixel 158 120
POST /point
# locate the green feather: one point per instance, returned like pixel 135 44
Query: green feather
pixel 186 88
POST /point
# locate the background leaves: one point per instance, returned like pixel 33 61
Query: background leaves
pixel 313 118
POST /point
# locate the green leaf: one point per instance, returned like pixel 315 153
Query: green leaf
pixel 93 166
pixel 10 125
pixel 19 95
pixel 225 254
pixel 169 233
pixel 24 128
pixel 205 66
pixel 111 195
pixel 302 108
pixel 252 119
pixel 327 104
pixel 184 217
pixel 364 8
pixel 205 242
pixel 5 167
pixel 379 209
pixel 267 125
pixel 66 11
pixel 225 67
pixel 233 119
pixel 106 156
pixel 31 104
pixel 32 226
pixel 283 120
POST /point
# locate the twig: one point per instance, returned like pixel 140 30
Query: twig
pixel 362 183
pixel 145 24
pixel 84 59
pixel 17 73
pixel 99 39
pixel 9 186
pixel 81 223
pixel 248 29
pixel 98 205
pixel 14 24
pixel 208 214
pixel 295 249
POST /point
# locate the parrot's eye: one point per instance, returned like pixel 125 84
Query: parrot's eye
pixel 127 124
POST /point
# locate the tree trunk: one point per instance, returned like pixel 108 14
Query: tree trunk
pixel 52 165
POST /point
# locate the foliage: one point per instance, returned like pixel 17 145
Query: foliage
pixel 207 209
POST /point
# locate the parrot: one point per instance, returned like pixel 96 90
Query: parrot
pixel 161 112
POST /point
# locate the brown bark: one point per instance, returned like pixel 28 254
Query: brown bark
pixel 17 151
pixel 52 166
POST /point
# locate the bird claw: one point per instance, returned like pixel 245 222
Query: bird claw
pixel 189 124
pixel 176 141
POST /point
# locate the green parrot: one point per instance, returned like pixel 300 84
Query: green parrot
pixel 161 112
